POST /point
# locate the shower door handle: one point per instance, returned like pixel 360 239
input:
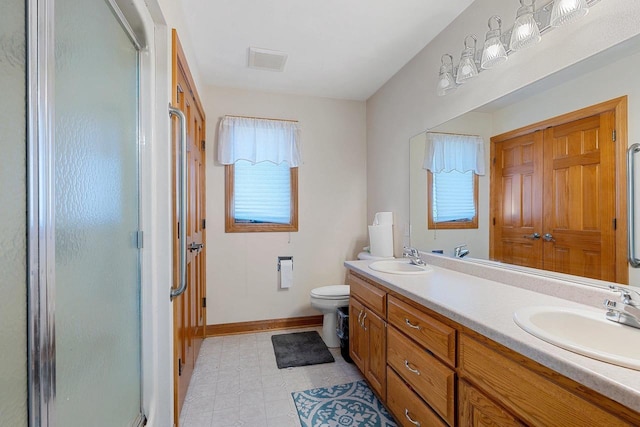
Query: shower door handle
pixel 182 205
pixel 631 206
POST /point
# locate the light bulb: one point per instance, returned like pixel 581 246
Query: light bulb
pixel 493 52
pixel 525 31
pixel 566 11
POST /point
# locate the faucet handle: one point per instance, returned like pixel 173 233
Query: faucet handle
pixel 629 296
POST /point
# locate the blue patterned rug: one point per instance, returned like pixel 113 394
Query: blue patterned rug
pixel 346 405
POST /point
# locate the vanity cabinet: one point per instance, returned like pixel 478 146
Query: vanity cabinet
pixel 433 371
pixel 421 350
pixel 368 333
pixel 524 388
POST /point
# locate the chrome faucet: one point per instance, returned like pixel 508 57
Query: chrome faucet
pixel 461 251
pixel 413 254
pixel 627 310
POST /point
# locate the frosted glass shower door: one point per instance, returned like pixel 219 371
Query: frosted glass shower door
pixel 97 295
pixel 13 228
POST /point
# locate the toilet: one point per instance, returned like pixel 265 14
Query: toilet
pixel 327 299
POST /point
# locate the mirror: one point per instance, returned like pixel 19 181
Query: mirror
pixel 602 77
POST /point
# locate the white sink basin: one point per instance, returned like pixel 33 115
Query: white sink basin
pixel 398 266
pixel 583 331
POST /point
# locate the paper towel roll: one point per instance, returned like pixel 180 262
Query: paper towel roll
pixel 381 240
pixel 286 273
pixel 383 218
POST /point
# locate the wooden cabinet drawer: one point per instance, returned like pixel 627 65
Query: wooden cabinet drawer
pixel 429 378
pixel 434 335
pixel 406 406
pixel 533 398
pixel 374 298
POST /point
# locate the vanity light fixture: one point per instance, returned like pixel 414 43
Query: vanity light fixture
pixel 493 52
pixel 467 68
pixel 525 31
pixel 566 11
pixel 446 81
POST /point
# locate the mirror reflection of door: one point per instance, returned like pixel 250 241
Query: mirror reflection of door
pixel 556 194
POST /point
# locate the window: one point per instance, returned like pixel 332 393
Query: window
pixel 261 197
pixel 261 174
pixel 452 200
pixel 453 163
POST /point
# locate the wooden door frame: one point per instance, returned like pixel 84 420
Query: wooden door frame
pixel 619 107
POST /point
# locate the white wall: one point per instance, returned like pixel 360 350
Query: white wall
pixel 242 281
pixel 407 104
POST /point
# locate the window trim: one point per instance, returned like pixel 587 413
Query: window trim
pixel 230 226
pixel 450 225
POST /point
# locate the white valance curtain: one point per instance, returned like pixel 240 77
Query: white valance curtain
pixel 258 140
pixel 448 152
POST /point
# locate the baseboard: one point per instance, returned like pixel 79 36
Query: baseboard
pixel 262 325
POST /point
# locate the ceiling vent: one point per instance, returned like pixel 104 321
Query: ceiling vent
pixel 265 59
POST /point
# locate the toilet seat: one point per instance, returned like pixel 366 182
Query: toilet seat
pixel 331 292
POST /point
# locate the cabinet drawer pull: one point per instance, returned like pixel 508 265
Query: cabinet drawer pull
pixel 408 366
pixel 364 317
pixel 359 316
pixel 411 325
pixel 406 414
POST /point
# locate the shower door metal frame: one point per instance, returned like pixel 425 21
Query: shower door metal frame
pixel 40 54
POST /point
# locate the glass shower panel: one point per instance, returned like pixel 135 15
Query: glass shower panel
pixel 97 292
pixel 13 244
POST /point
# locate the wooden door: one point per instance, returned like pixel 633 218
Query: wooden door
pixel 357 343
pixel 189 308
pixel 516 188
pixel 579 173
pixel 376 356
pixel 579 202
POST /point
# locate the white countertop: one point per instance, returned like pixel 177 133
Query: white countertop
pixel 487 307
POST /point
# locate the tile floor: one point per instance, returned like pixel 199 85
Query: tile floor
pixel 236 383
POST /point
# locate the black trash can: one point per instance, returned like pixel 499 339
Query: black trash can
pixel 343 332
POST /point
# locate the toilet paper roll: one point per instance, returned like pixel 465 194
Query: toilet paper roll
pixel 381 240
pixel 383 218
pixel 286 273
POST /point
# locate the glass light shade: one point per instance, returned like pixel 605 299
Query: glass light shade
pixel 493 52
pixel 566 11
pixel 525 30
pixel 467 67
pixel 446 82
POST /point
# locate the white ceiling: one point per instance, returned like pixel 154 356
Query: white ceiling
pixel 337 48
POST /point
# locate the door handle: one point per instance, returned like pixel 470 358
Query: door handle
pixel 195 246
pixel 548 237
pixel 534 236
pixel 631 206
pixel 182 205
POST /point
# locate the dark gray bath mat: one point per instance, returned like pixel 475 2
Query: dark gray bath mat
pixel 300 349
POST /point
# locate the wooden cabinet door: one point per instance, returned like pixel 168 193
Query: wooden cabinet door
pixel 476 410
pixel 357 342
pixel 579 202
pixel 516 202
pixel 376 358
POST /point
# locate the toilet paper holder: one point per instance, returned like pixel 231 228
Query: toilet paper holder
pixel 285 258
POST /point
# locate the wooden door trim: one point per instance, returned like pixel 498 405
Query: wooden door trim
pixel 619 107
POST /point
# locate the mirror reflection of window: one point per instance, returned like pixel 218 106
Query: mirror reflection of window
pixel 453 163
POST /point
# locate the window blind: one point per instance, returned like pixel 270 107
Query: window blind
pixel 453 196
pixel 262 192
